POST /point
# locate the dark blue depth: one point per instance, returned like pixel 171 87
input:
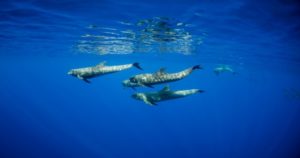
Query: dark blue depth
pixel 46 113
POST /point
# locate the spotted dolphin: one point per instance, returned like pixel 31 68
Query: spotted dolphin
pixel 151 98
pixel 159 77
pixel 99 70
pixel 224 68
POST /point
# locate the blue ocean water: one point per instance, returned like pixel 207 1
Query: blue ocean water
pixel 252 114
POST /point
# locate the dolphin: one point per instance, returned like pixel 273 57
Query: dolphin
pixel 100 69
pixel 224 68
pixel 151 98
pixel 159 77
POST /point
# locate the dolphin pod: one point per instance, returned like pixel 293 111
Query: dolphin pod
pixel 146 80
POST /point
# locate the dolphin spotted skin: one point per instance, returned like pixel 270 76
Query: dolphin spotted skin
pixel 224 68
pixel 159 77
pixel 151 98
pixel 100 69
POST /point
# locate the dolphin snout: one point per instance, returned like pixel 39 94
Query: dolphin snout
pixel 72 72
pixel 124 84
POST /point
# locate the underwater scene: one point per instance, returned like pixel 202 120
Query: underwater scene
pixel 150 78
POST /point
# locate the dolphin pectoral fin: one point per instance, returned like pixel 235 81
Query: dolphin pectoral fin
pixel 80 77
pixel 83 79
pixel 86 80
pixel 152 103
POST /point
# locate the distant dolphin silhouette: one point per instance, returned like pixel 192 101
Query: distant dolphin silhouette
pixel 151 98
pixel 99 70
pixel 224 68
pixel 159 77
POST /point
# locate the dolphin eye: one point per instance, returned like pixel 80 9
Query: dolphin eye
pixel 132 79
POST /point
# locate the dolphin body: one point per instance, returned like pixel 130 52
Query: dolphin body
pixel 224 68
pixel 100 69
pixel 159 77
pixel 151 98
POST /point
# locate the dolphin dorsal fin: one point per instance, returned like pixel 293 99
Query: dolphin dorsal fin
pixel 161 71
pixel 165 89
pixel 101 64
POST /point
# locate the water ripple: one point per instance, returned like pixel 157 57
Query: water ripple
pixel 158 34
pixel 215 29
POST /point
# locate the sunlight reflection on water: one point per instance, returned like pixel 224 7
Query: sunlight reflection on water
pixel 159 34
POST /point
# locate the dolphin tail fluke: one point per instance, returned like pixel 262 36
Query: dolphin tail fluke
pixel 137 65
pixel 197 67
pixel 200 91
